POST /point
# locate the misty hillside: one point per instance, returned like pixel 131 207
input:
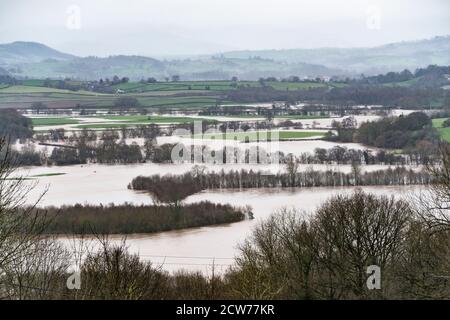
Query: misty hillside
pixel 26 52
pixel 38 61
pixel 34 60
pixel 382 59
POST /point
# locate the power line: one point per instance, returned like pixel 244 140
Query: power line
pixel 195 264
pixel 186 257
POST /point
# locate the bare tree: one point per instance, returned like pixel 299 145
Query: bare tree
pixel 434 204
pixel 20 224
pixel 25 256
pixel 325 256
pixel 292 166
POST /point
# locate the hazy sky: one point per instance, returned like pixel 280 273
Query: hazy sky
pixel 173 27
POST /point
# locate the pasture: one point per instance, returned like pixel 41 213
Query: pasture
pixel 445 132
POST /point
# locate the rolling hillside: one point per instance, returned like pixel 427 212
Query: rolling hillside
pixel 382 59
pixel 28 52
pixel 34 60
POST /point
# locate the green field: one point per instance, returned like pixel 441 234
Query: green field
pixel 181 86
pixel 184 95
pixel 53 121
pixel 445 132
pixel 217 85
pixel 33 89
pixel 262 135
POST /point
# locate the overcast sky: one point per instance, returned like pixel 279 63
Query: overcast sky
pixel 174 27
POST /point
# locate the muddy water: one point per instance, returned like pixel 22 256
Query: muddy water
pixel 103 184
pixel 198 249
pixel 294 147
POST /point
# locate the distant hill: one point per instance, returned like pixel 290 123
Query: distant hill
pixel 382 59
pixel 26 52
pixel 35 60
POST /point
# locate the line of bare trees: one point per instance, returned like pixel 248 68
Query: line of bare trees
pixel 172 188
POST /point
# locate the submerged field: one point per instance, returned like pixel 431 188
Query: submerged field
pixel 131 121
pixel 112 121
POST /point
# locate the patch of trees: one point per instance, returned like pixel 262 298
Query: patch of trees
pixel 391 132
pixel 148 80
pixel 65 156
pixel 356 94
pixel 110 152
pixel 105 152
pixel 126 102
pixel 14 125
pixel 423 153
pixel 343 155
pixel 66 84
pixel 397 133
pixel 389 77
pixel 108 148
pixel 39 106
pixel 432 76
pixel 174 188
pixel 7 79
pixel 127 218
pixel 28 156
pixel 168 189
pixel 383 95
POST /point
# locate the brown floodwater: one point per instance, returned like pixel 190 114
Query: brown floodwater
pixel 198 249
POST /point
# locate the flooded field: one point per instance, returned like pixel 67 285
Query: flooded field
pixel 104 184
pixel 295 147
pixel 307 123
pixel 198 249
